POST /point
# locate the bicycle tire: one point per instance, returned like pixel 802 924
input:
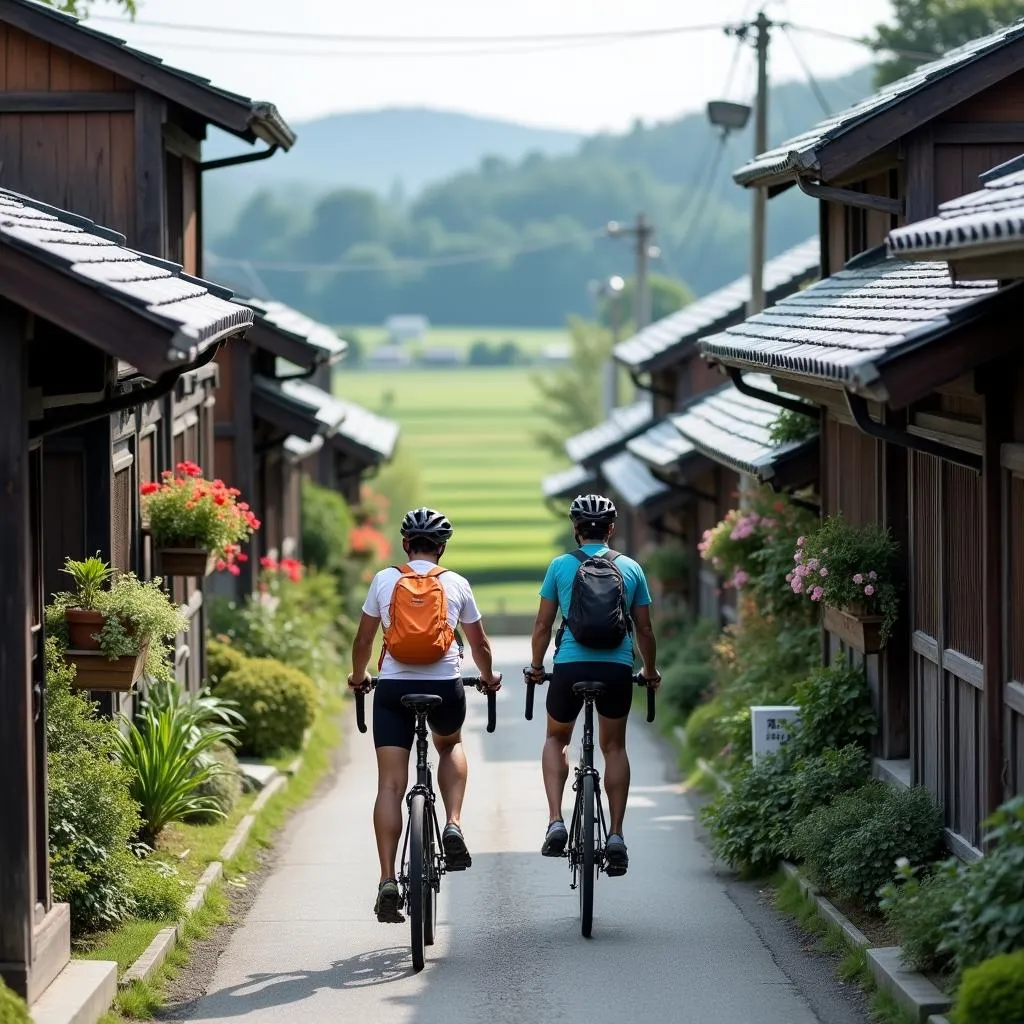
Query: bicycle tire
pixel 417 880
pixel 430 873
pixel 587 866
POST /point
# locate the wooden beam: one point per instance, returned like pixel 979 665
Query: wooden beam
pixel 983 133
pixel 920 181
pixel 17 755
pixel 65 102
pixel 244 469
pixel 851 197
pixel 978 265
pixel 151 190
pixel 180 143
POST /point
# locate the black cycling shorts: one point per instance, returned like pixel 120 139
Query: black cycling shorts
pixel 564 706
pixel 395 726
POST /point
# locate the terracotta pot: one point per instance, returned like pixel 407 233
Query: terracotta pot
pixel 82 625
pixel 186 558
pixel 95 671
pixel 857 630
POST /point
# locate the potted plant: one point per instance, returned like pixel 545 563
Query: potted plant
pixel 670 565
pixel 133 625
pixel 850 571
pixel 197 525
pixel 84 619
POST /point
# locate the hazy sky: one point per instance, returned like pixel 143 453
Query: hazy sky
pixel 576 84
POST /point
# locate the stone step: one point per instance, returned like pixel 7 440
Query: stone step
pixel 80 994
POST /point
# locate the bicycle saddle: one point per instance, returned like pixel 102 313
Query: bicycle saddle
pixel 421 701
pixel 588 689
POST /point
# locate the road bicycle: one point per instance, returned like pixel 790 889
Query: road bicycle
pixel 588 832
pixel 423 863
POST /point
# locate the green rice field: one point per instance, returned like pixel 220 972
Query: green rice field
pixel 469 431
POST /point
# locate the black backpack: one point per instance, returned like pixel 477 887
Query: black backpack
pixel 598 616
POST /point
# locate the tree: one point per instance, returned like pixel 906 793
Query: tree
pixel 935 27
pixel 80 8
pixel 667 296
pixel 571 395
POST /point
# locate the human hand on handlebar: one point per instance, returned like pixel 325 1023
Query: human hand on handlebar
pixel 490 684
pixel 533 674
pixel 652 680
pixel 362 686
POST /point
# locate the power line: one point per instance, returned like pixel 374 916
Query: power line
pixel 825 33
pixel 236 31
pixel 425 263
pixel 808 73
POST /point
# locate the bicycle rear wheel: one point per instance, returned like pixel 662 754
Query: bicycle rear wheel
pixel 419 880
pixel 430 875
pixel 586 861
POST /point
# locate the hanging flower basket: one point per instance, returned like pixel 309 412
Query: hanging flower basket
pixel 83 627
pixel 186 558
pixel 95 671
pixel 855 627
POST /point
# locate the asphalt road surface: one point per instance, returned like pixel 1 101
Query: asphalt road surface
pixel 669 944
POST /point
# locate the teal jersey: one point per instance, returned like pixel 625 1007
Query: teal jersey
pixel 557 586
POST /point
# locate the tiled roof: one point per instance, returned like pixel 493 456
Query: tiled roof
pixel 568 482
pixel 298 448
pixel 234 113
pixel 735 430
pixel 844 327
pixel 658 343
pixel 323 344
pixel 801 153
pixel 990 219
pixel 195 313
pixel 632 481
pixel 660 446
pixel 346 421
pixel 623 423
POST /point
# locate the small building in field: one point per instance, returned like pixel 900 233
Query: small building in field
pixel 404 328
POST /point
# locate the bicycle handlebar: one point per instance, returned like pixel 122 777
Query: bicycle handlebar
pixel 476 681
pixel 546 678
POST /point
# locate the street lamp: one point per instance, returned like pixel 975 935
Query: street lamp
pixel 730 117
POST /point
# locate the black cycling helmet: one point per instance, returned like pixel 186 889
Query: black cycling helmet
pixel 425 522
pixel 594 509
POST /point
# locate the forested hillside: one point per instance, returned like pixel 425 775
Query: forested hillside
pixel 516 242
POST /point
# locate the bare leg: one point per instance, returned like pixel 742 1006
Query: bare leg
pixel 555 765
pixel 616 769
pixel 452 773
pixel 392 778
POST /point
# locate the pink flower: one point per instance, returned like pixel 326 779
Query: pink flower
pixel 798 557
pixel 824 572
pixel 801 541
pixel 869 590
pixel 872 575
pixel 797 585
pixel 813 563
pixel 858 579
pixel 816 594
pixel 789 577
pixel 740 578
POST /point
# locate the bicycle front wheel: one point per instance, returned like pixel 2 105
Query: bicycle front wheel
pixel 419 879
pixel 430 875
pixel 586 861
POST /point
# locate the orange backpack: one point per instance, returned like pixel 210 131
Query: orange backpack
pixel 420 632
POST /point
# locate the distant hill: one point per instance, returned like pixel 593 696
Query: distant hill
pixel 392 151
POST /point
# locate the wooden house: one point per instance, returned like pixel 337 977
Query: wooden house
pixel 76 309
pixel 899 358
pixel 90 124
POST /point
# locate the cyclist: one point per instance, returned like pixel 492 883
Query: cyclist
pixel 423 613
pixel 593 517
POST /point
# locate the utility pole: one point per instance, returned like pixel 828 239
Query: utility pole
pixel 760 198
pixel 643 234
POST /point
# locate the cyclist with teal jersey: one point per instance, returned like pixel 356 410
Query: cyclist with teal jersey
pixel 608 659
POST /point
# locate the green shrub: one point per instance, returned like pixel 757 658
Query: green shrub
pixel 159 891
pixel 277 701
pixel 705 730
pixel 687 673
pixel 817 781
pixel 162 751
pixel 221 658
pixel 222 789
pixel 852 846
pixel 92 816
pixel 992 992
pixel 988 919
pixel 835 709
pixel 12 1007
pixel 920 909
pixel 326 522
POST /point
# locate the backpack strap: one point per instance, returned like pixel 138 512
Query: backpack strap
pixel 580 554
pixel 436 571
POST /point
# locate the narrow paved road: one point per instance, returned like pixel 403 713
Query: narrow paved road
pixel 669 945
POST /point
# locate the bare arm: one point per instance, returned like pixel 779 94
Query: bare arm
pixel 480 647
pixel 362 648
pixel 542 630
pixel 643 632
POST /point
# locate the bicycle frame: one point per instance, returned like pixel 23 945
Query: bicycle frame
pixel 584 767
pixel 424 785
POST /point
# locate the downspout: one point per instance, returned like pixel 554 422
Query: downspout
pixel 235 161
pixel 793 404
pixel 634 376
pixel 858 407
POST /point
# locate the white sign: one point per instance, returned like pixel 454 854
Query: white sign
pixel 771 727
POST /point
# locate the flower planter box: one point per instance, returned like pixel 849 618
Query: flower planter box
pixel 184 560
pixel 95 671
pixel 856 629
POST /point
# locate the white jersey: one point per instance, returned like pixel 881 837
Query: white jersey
pixel 461 608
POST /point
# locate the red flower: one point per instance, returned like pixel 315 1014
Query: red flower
pixel 149 488
pixel 267 562
pixel 234 570
pixel 221 565
pixel 241 556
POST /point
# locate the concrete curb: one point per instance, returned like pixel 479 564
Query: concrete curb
pixel 80 994
pixel 914 993
pixel 167 938
pixel 706 768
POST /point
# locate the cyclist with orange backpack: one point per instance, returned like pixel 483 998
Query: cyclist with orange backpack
pixel 420 606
